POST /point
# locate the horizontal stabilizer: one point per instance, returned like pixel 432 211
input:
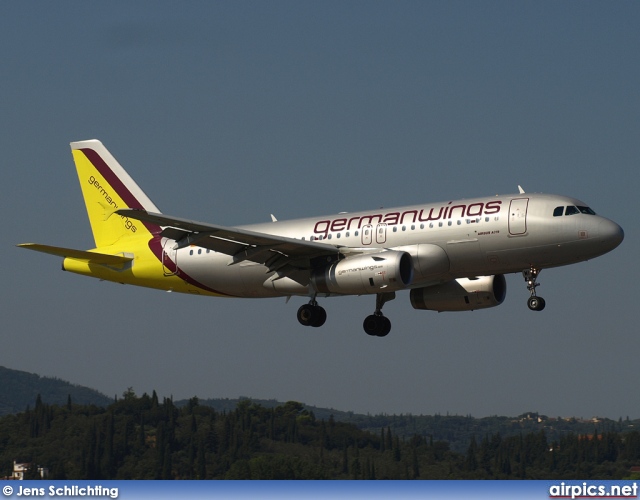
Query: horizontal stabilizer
pixel 93 257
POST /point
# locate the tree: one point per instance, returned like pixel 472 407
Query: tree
pixel 471 462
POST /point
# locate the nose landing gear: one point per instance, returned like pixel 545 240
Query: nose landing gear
pixel 530 275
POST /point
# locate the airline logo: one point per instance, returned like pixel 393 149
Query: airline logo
pixel 107 197
pixel 324 227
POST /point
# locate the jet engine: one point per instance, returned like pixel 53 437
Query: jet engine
pixel 386 271
pixel 464 294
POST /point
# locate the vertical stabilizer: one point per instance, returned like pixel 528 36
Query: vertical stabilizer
pixel 106 187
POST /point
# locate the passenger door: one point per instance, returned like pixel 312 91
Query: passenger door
pixel 518 216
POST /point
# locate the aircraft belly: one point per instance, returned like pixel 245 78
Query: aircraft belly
pixel 239 280
pixel 465 255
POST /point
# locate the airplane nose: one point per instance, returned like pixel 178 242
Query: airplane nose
pixel 610 233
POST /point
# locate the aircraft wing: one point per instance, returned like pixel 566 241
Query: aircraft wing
pixel 275 252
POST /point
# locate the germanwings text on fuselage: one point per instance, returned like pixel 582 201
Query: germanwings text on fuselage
pixel 323 227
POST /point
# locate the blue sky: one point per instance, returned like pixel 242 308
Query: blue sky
pixel 229 111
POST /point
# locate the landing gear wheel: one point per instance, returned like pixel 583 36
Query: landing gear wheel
pixel 312 315
pixel 305 314
pixel 386 327
pixel 321 317
pixel 377 326
pixel 536 303
pixel 370 325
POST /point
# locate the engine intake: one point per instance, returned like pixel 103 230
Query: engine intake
pixel 464 294
pixel 370 273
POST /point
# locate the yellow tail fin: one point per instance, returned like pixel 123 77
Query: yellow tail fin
pixel 106 187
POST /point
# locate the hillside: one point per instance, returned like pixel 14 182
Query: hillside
pixel 456 430
pixel 19 389
pixel 145 438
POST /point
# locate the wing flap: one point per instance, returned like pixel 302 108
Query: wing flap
pixel 93 257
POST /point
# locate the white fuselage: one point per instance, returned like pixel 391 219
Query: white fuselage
pixel 449 240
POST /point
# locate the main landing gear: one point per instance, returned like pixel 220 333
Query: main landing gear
pixel 530 275
pixel 378 325
pixel 312 314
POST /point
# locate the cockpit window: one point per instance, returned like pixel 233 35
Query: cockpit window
pixel 586 210
pixel 571 210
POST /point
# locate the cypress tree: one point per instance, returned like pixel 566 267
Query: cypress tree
pixel 414 462
pixel 471 463
pixel 397 455
pixel 167 463
pixel 356 469
pixel 345 459
pixel 202 463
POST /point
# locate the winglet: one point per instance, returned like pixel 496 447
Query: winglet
pixel 520 189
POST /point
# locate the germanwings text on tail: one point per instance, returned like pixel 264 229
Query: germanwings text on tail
pixel 451 256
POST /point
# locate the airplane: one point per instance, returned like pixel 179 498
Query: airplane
pixel 451 256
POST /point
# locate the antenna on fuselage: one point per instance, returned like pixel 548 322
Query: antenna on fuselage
pixel 520 189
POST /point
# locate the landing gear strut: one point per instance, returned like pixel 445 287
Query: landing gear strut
pixel 312 314
pixel 530 275
pixel 377 325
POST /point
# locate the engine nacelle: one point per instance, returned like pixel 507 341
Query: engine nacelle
pixel 464 294
pixel 370 273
